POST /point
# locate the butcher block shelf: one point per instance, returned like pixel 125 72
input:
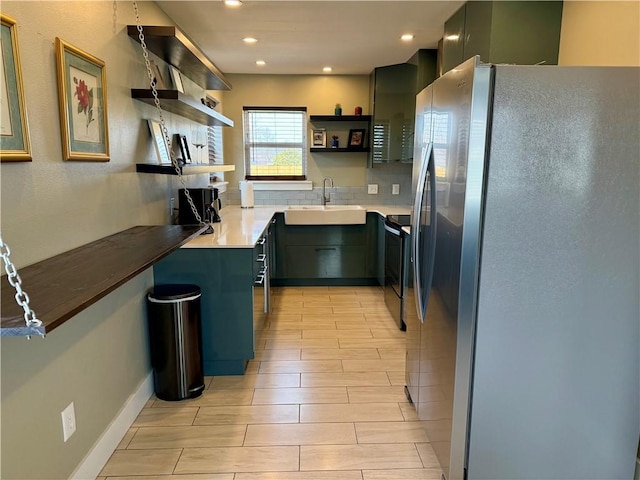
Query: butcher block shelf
pixel 62 286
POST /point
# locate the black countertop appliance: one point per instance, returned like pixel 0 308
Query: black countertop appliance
pixel 206 201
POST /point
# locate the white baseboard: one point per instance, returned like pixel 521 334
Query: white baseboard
pixel 99 454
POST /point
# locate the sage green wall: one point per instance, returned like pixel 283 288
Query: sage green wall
pixel 49 206
pixel 319 93
pixel 96 360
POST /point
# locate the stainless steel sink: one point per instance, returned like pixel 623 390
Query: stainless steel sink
pixel 325 215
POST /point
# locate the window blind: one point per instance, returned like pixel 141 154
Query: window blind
pixel 214 144
pixel 275 143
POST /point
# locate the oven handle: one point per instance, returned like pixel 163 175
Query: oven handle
pixel 390 229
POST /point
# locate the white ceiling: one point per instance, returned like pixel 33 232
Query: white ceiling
pixel 301 37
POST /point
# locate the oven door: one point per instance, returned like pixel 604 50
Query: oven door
pixel 393 284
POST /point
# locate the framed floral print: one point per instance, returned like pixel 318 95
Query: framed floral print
pixel 14 130
pixel 82 99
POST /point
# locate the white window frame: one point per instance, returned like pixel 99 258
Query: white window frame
pixel 248 145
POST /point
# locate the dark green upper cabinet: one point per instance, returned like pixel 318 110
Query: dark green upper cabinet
pixel 523 33
pixel 453 40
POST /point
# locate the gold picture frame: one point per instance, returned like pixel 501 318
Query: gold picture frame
pixel 14 128
pixel 82 101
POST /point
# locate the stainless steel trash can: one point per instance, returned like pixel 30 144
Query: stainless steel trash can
pixel 175 335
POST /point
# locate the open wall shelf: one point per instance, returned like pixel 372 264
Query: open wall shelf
pixel 339 150
pixel 188 169
pixel 340 118
pixel 62 286
pixel 338 124
pixel 176 102
pixel 175 48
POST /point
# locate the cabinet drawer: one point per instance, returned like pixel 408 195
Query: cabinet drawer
pixel 325 261
pixel 313 235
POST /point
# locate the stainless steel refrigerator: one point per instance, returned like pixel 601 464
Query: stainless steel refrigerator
pixel 523 350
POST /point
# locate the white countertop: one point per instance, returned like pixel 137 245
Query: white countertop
pixel 242 227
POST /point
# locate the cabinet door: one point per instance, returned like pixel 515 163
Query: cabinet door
pixel 325 261
pixel 393 113
pixel 478 27
pixel 524 33
pixel 453 40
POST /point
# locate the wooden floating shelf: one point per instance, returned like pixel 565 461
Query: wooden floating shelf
pixel 175 48
pixel 338 150
pixel 62 286
pixel 188 169
pixel 176 102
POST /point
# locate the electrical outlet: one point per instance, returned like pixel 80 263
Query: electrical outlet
pixel 68 422
pixel 395 189
pixel 372 189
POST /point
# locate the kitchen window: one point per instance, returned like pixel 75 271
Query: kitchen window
pixel 275 143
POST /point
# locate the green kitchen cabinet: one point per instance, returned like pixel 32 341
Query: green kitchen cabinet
pixel 392 96
pixel 327 254
pixel 380 250
pixel 232 305
pixel 426 62
pixel 517 32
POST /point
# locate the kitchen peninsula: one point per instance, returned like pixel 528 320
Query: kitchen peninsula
pixel 229 266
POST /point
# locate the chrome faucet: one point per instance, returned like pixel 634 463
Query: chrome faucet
pixel 325 196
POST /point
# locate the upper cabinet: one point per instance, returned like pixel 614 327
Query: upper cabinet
pixel 392 96
pixel 524 33
pixel 171 45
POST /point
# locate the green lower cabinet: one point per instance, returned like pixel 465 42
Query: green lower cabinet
pixel 327 254
pixel 380 250
pixel 325 261
pixel 225 277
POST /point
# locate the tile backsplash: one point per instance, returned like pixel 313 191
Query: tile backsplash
pixel 383 175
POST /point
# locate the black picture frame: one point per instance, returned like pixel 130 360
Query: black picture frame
pixel 356 138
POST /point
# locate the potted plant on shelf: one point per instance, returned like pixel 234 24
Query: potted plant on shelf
pixel 334 141
pixel 338 110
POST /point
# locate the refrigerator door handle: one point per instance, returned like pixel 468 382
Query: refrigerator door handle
pixel 415 232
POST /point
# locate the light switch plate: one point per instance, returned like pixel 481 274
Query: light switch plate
pixel 395 189
pixel 372 189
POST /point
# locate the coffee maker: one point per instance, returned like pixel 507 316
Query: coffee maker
pixel 206 201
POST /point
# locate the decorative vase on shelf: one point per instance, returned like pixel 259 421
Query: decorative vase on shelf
pixel 334 141
pixel 358 111
pixel 338 110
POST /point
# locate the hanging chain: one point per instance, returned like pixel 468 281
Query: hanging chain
pixel 115 17
pixel 16 282
pixel 156 101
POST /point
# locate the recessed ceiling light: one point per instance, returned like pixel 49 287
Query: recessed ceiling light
pixel 407 37
pixel 327 69
pixel 260 63
pixel 232 3
pixel 249 40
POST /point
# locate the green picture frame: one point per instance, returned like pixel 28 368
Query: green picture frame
pixel 82 100
pixel 14 128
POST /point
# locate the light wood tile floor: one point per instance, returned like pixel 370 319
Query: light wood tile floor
pixel 323 400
